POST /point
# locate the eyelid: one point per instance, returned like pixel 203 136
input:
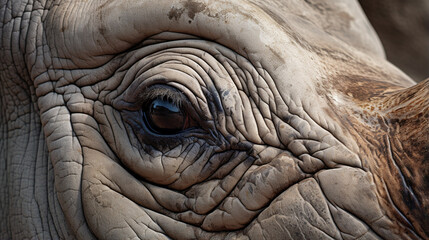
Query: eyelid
pixel 162 92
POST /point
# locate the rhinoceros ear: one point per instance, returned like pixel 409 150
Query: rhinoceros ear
pixel 406 114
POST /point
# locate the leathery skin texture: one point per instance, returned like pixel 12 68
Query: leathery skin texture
pixel 204 119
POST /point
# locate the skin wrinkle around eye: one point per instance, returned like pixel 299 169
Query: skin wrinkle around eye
pixel 249 81
pixel 151 74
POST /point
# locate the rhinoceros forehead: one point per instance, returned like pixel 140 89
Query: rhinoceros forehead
pixel 100 29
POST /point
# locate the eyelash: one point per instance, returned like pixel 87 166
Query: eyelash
pixel 161 92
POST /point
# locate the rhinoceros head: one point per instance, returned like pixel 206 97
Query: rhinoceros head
pixel 207 120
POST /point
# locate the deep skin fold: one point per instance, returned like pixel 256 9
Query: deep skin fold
pixel 90 118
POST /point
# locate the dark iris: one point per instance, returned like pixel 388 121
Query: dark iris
pixel 165 117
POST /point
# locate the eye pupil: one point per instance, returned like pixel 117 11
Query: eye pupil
pixel 165 117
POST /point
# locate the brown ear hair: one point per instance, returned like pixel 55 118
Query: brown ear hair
pixel 406 114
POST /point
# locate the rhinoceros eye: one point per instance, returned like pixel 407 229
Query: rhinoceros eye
pixel 165 117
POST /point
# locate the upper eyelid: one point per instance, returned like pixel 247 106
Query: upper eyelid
pixel 162 92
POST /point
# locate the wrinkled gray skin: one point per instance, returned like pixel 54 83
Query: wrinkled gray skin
pixel 296 120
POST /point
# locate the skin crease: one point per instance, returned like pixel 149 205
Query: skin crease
pixel 300 127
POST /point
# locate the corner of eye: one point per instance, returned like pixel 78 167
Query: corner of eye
pixel 123 105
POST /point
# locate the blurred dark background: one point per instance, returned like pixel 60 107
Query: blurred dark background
pixel 403 27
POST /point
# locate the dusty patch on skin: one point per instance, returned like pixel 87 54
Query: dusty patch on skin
pixel 194 8
pixel 175 13
pixel 191 7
